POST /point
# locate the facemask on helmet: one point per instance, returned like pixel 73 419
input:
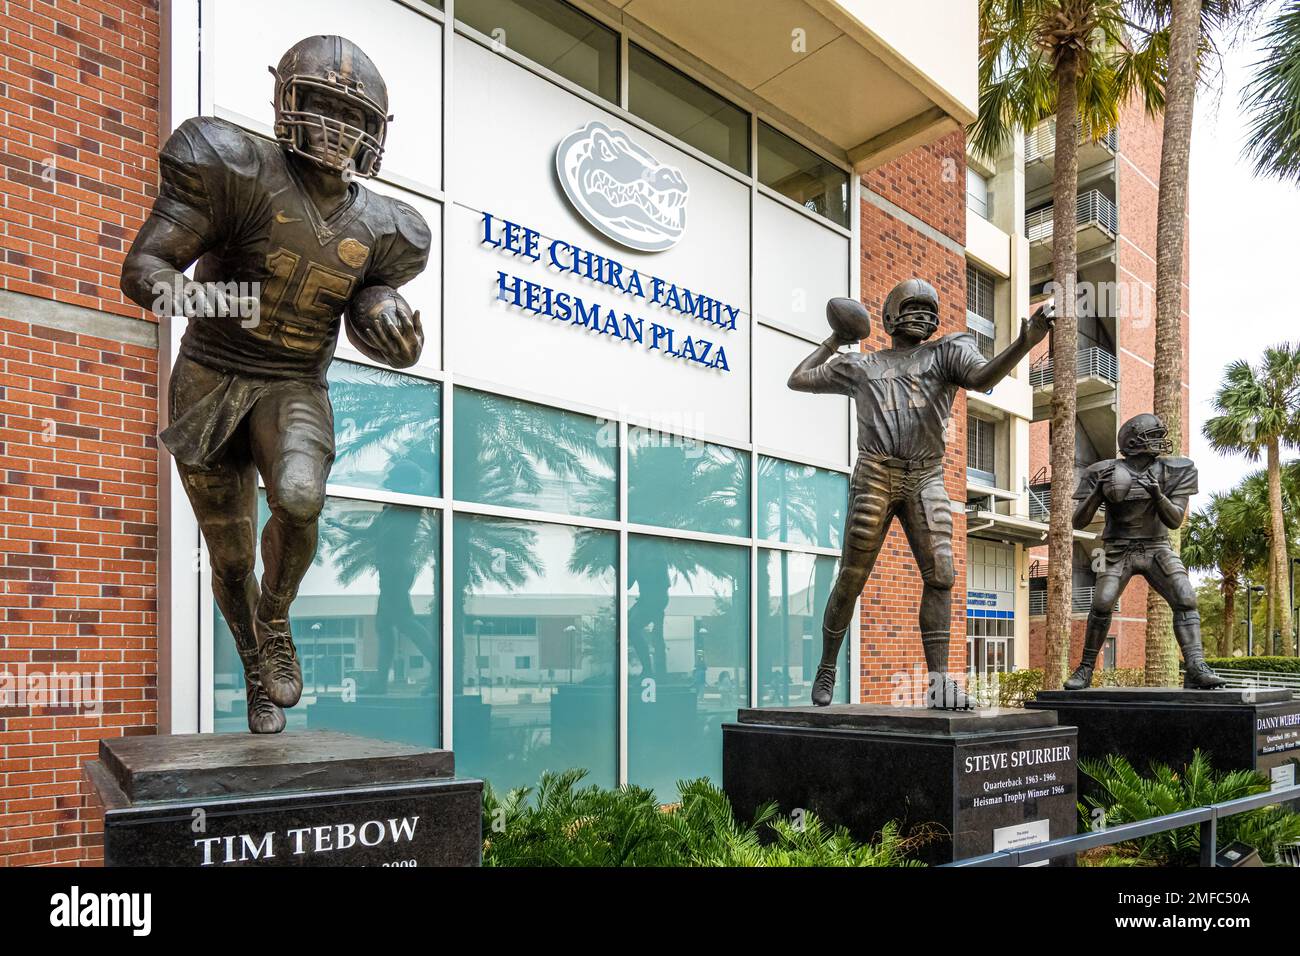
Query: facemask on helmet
pixel 1144 435
pixel 912 305
pixel 318 79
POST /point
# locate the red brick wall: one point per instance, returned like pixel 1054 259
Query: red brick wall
pixel 78 145
pixel 929 183
pixel 78 524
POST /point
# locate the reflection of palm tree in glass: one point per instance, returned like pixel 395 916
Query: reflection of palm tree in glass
pixel 688 485
pixel 396 544
pixel 389 412
pixel 505 448
pixel 796 508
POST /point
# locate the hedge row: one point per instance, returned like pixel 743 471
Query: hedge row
pixel 1272 665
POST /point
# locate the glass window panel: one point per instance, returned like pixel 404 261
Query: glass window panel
pixel 800 504
pixel 676 482
pixel 536 625
pixel 793 589
pixel 387 430
pixel 553 34
pixel 688 627
pixel 367 624
pixel 686 109
pixel 522 455
pixel 798 173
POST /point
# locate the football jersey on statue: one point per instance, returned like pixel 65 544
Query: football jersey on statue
pixel 240 194
pixel 903 396
pixel 1130 515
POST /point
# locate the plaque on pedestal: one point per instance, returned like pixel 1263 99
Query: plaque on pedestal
pixel 990 780
pixel 306 799
pixel 1238 728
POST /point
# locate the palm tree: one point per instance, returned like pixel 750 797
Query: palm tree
pixel 1073 59
pixel 1191 26
pixel 1272 98
pixel 1224 537
pixel 1258 410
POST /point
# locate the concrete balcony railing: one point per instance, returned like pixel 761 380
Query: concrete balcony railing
pixel 1040 144
pixel 1093 210
pixel 1092 363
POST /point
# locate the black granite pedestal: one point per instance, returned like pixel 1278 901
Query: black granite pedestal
pixel 318 798
pixel 1238 728
pixel 987 780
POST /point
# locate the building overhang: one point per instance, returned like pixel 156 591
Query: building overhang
pixel 874 80
pixel 1010 529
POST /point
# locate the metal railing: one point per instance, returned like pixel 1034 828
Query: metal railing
pixel 1207 818
pixel 1261 679
pixel 1092 208
pixel 1090 362
pixel 1040 142
pixel 1080 599
pixel 1040 502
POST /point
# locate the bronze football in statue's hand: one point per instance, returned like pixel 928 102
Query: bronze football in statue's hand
pixel 381 324
pixel 849 320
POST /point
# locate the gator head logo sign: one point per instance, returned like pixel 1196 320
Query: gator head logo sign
pixel 621 189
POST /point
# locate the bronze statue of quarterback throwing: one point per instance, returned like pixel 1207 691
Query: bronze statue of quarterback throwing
pixel 904 397
pixel 288 221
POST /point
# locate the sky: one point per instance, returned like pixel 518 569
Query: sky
pixel 1244 236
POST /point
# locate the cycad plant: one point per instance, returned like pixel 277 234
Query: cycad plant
pixel 1126 796
pixel 564 824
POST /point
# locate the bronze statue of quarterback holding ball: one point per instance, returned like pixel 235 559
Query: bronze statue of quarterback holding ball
pixel 284 228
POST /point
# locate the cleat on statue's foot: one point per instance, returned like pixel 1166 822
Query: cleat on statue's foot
pixel 946 694
pixel 823 686
pixel 1081 678
pixel 264 717
pixel 277 662
pixel 1200 677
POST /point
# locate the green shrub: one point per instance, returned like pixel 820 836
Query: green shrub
pixel 1272 665
pixel 1119 677
pixel 562 824
pixel 1006 690
pixel 1126 796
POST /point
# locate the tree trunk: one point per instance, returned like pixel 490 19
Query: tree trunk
pixel 1226 644
pixel 1278 595
pixel 1065 347
pixel 1171 236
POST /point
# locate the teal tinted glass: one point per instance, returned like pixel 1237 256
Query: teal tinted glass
pixel 521 455
pixel 688 661
pixel 792 593
pixel 798 173
pixel 367 625
pixel 535 650
pixel 688 110
pixel 676 482
pixel 557 36
pixel 387 430
pixel 800 504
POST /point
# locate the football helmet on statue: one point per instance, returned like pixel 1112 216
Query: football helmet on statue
pixel 1144 434
pixel 331 105
pixel 914 304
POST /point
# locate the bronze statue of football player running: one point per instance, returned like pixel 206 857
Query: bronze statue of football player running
pixel 904 397
pixel 1146 494
pixel 287 220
